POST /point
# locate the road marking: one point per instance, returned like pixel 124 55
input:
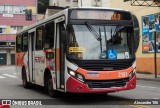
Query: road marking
pixel 148 86
pixel 2 77
pixel 140 106
pixel 156 98
pixel 14 73
pixel 12 76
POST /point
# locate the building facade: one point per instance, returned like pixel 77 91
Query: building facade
pixel 148 21
pixel 12 19
pixel 80 3
pixel 145 54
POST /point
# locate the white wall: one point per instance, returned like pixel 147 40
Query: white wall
pixel 85 3
pixel 63 3
pixel 106 3
pixel 52 2
pixel 81 3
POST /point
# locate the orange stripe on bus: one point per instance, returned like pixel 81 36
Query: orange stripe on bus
pixel 105 75
pixel 57 59
pixel 19 59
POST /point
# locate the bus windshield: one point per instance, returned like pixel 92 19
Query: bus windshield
pixel 92 42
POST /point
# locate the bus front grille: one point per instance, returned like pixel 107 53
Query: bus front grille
pixel 107 84
pixel 106 65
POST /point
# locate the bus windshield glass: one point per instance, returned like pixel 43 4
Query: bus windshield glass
pixel 92 42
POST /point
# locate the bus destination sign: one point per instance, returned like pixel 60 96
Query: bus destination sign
pixel 100 15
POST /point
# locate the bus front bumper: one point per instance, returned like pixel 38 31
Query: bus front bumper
pixel 76 86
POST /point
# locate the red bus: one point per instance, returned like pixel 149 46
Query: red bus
pixel 79 50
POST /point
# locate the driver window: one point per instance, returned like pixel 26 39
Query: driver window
pixel 74 43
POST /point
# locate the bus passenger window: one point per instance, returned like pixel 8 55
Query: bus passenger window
pixel 25 42
pixel 19 43
pixel 49 36
pixel 39 37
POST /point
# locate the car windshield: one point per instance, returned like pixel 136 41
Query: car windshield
pixel 90 42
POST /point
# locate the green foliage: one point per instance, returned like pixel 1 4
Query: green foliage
pixel 43 3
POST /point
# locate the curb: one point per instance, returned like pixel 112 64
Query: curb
pixel 148 79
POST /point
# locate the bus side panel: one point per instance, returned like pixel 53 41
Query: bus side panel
pixel 19 59
pixel 50 64
pixel 18 72
pixel 40 65
pixel 19 63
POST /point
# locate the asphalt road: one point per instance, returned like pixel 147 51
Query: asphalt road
pixel 11 88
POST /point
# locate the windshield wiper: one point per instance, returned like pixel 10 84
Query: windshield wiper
pixel 117 28
pixel 114 35
pixel 95 34
pixel 100 38
pixel 105 38
pixel 111 39
pixel 93 31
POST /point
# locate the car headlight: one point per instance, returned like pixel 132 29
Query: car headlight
pixel 132 74
pixel 76 75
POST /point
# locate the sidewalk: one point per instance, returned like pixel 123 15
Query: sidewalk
pixel 148 77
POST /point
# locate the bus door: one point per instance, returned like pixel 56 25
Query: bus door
pixel 39 56
pixel 31 56
pixel 60 55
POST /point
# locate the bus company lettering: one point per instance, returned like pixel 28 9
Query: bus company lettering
pixel 122 74
pixel 93 74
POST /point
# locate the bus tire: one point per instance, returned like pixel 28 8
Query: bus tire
pixel 51 91
pixel 26 84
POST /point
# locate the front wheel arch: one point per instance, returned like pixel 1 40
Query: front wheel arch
pixel 48 84
pixel 26 84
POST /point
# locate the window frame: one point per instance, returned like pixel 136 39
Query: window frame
pixel 19 46
pixel 12 9
pixel 2 7
pixel 37 47
pixel 4 30
pixel 14 29
pixel 45 35
pixel 25 34
pixel 136 32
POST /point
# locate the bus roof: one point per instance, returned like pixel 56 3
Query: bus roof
pixel 98 8
pixel 62 13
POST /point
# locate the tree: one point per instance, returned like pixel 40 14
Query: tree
pixel 43 3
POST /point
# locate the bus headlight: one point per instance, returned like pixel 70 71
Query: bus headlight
pixel 132 74
pixel 78 76
pixel 72 73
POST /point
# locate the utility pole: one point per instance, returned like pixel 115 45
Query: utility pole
pixel 81 3
pixel 36 10
pixel 96 3
pixel 155 54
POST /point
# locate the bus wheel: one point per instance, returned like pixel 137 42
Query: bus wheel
pixel 26 84
pixel 51 91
